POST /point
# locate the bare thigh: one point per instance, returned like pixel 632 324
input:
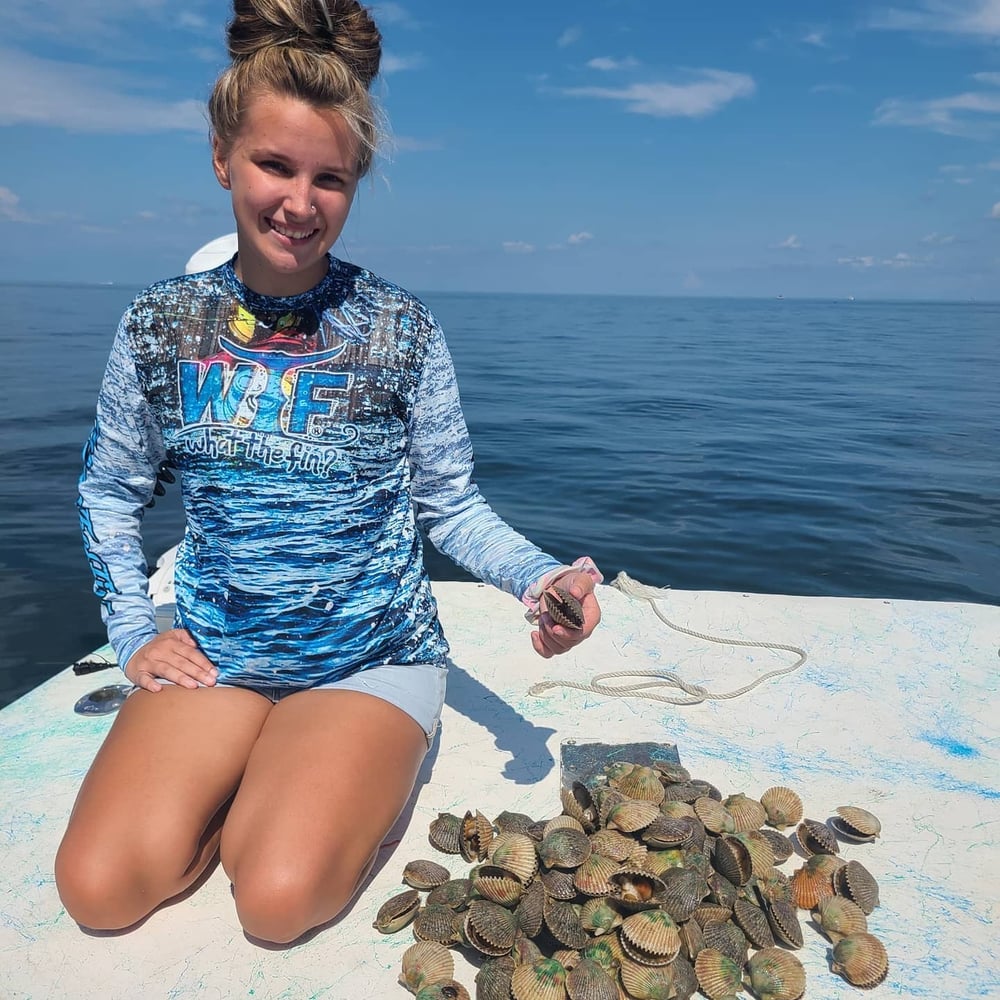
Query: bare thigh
pixel 328 775
pixel 141 828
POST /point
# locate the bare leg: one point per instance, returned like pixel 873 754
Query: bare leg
pixel 148 817
pixel 328 775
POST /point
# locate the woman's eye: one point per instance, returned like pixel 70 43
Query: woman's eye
pixel 274 167
pixel 329 181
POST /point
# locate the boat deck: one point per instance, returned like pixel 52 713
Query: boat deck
pixel 894 710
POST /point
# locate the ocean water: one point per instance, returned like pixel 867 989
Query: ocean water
pixel 774 446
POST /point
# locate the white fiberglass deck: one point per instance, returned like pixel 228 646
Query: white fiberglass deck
pixel 896 710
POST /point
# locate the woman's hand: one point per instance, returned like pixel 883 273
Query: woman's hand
pixel 173 656
pixel 552 639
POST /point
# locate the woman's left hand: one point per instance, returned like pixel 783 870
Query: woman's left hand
pixel 552 639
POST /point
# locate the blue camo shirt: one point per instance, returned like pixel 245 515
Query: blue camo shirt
pixel 313 435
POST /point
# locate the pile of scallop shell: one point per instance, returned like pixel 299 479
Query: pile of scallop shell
pixel 649 886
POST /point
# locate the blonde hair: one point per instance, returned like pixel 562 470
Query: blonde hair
pixel 323 52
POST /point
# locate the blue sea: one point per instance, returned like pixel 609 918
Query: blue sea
pixel 837 448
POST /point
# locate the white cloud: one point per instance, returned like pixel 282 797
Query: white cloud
pixel 987 78
pixel 973 115
pixel 976 18
pixel 704 96
pixel 857 261
pixel 952 168
pixel 10 207
pixel 570 36
pixel 393 13
pixel 816 37
pixel 789 243
pixel 995 211
pixel 937 239
pixel 87 99
pixel 691 281
pixel 606 63
pixel 575 239
pixel 992 165
pixel 899 262
pixel 408 144
pixel 391 63
pixel 518 246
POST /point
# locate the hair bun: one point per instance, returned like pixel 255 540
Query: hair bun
pixel 341 27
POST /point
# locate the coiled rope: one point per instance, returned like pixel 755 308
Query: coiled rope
pixel 666 678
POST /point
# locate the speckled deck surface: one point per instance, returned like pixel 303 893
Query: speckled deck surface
pixel 896 710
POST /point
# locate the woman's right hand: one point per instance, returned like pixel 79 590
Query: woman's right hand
pixel 173 656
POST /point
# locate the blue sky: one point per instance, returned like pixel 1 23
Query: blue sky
pixel 665 147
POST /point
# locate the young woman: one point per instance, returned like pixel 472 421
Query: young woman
pixel 312 410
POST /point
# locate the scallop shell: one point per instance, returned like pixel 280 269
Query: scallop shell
pixel 599 916
pixel 563 922
pixel 637 890
pixel 424 964
pixel 525 951
pixel 640 783
pixel 561 822
pixel 395 913
pixel 685 980
pixel 732 859
pixel 493 978
pixel 562 607
pixel 857 824
pixel 515 853
pixel 652 932
pixel 587 980
pixel 659 862
pixel 784 920
pixel 475 836
pixel 692 939
pixel 645 982
pixel 714 815
pixel 748 814
pixel 761 854
pixel 781 845
pixel 671 773
pixel 444 833
pixel 489 927
pixel 579 803
pixel 592 877
pixel 513 822
pixel 564 847
pixel 421 874
pixel 783 807
pixel 855 882
pixel 726 937
pixel 612 844
pixel 607 952
pixel 436 922
pixel 530 911
pixel 811 883
pixel 558 883
pixel 816 837
pixel 861 959
pixel 631 815
pixel 774 884
pixel 454 893
pixel 685 791
pixel 839 917
pixel 718 975
pixel 542 980
pixel 566 957
pixel 671 807
pixel 752 920
pixel 721 890
pixel 668 831
pixel 775 974
pixel 450 990
pixel 498 885
pixel 712 913
pixel 684 891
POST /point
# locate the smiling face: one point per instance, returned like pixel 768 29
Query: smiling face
pixel 292 172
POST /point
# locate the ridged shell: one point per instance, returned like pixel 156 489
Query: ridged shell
pixel 748 814
pixel 395 913
pixel 712 913
pixel 855 882
pixel 525 951
pixel 543 980
pixel 637 890
pixel 564 847
pixel 726 937
pixel 562 607
pixel 530 911
pixel 566 957
pixel 422 874
pixel 762 857
pixel 781 845
pixel 732 859
pixel 493 978
pixel 592 877
pixel 424 964
pixel 561 822
pixel 784 920
pixel 811 883
pixel 563 922
pixel 612 844
pixel 607 952
pixel 659 862
pixel 720 890
pixel 685 980
pixel 498 885
pixel 579 803
pixel 671 773
pixel 513 822
pixel 653 932
pixel 861 959
pixel 450 990
pixel 692 939
pixel 857 824
pixel 515 853
pixel 668 831
pixel 685 791
pixel 783 807
pixel 707 789
pixel 475 836
pixel 558 883
pixel 752 920
pixel 599 916
pixel 489 927
pixel 454 893
pixel 774 884
pixel 776 975
pixel 587 980
pixel 839 917
pixel 632 815
pixel 641 783
pixel 444 833
pixel 671 807
pixel 816 837
pixel 436 922
pixel 714 815
pixel 645 982
pixel 684 891
pixel 718 975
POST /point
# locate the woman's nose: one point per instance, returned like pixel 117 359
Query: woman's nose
pixel 299 201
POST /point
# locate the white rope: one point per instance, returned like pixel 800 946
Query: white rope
pixel 666 678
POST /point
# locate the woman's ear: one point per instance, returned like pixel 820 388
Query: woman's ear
pixel 220 164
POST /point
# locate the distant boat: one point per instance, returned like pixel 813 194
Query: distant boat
pixel 850 298
pixel 779 296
